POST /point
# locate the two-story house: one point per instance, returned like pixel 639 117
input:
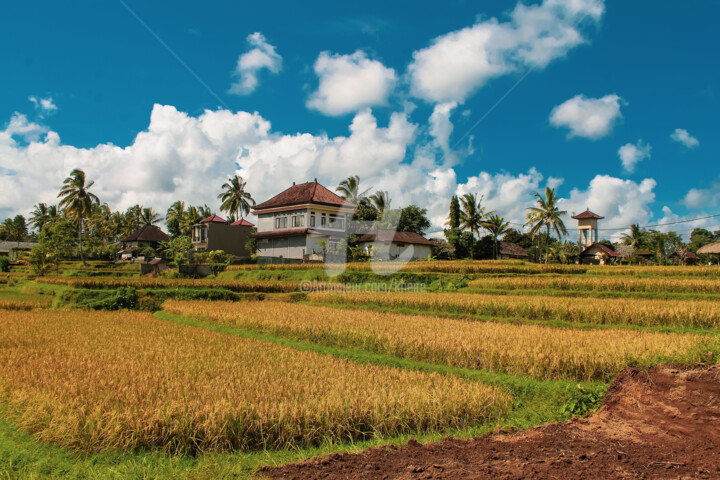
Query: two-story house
pixel 216 233
pixel 297 223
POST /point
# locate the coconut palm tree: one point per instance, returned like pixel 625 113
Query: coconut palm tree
pixel 546 215
pixel 472 216
pixel 235 200
pixel 635 238
pixel 349 189
pixel 497 226
pixel 149 217
pixel 173 218
pixel 381 201
pixel 77 201
pixel 40 216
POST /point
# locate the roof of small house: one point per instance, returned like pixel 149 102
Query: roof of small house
pixel 213 219
pixel 242 223
pixel 6 246
pixel 710 248
pixel 156 261
pixel 686 255
pixel 587 214
pixel 604 248
pixel 303 193
pixel 512 249
pixel 147 233
pixel 395 237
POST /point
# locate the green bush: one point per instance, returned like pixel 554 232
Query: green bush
pixel 123 298
pixel 4 264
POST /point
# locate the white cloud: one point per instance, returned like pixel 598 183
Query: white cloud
pixel 630 154
pixel 349 83
pixel 441 127
pixel 703 197
pixel 183 157
pixel 45 105
pixel 681 135
pixel 621 202
pixel 460 62
pixel 261 56
pixel 591 118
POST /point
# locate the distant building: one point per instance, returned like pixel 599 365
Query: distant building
pixel 297 223
pixel 6 247
pixel 599 254
pixel 592 252
pixel 512 251
pixel 143 237
pixel 405 245
pixel 215 233
pixel 685 258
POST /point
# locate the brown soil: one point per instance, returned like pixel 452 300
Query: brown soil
pixel 659 424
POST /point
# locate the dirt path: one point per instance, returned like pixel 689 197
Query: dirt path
pixel 661 424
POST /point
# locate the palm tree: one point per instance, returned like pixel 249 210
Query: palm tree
pixel 349 190
pixel 173 218
pixel 381 201
pixel 472 216
pixel 40 216
pixel 635 238
pixel 497 226
pixel 148 217
pixel 77 200
pixel 235 200
pixel 546 215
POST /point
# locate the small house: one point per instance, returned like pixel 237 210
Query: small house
pixel 404 245
pixel 216 233
pixel 599 254
pixel 146 236
pixel 512 251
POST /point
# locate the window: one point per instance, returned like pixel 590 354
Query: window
pixel 280 222
pixel 298 221
pixel 337 222
pixel 323 220
pixel 312 220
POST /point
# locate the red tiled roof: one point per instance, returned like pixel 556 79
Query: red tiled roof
pixel 587 214
pixel 213 219
pixel 604 248
pixel 148 233
pixel 242 223
pixel 397 237
pixel 310 192
pixel 512 249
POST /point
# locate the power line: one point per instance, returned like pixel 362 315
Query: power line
pixel 642 226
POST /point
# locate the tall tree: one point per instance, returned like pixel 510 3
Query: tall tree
pixel 349 189
pixel 235 199
pixel 77 200
pixel 40 216
pixel 546 215
pixel 496 226
pixel 635 238
pixel 150 217
pixel 381 201
pixel 454 217
pixel 472 216
pixel 174 217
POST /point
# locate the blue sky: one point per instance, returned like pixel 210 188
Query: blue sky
pixel 637 72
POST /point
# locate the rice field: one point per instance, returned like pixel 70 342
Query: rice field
pixel 98 381
pixel 536 351
pixel 151 282
pixel 600 284
pixel 622 311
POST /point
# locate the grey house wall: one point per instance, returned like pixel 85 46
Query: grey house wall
pixel 288 247
pixel 229 239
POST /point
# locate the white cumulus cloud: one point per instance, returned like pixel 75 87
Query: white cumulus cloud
pixel 261 56
pixel 681 135
pixel 45 105
pixel 458 63
pixel 630 154
pixel 348 83
pixel 586 117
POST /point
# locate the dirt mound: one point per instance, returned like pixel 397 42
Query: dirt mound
pixel 664 423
